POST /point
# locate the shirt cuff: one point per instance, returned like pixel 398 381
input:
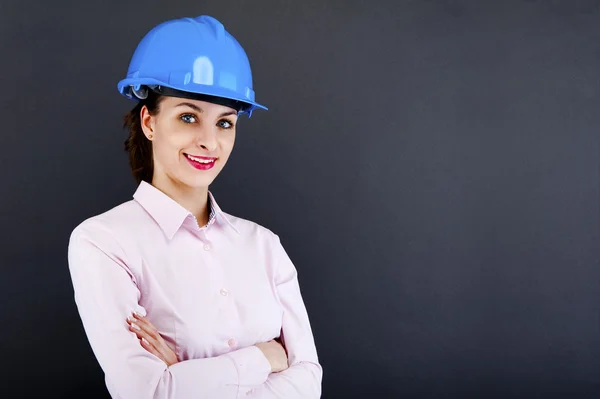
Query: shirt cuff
pixel 252 366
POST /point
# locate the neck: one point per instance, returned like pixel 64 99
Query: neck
pixel 194 199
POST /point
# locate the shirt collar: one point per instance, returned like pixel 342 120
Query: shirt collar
pixel 167 212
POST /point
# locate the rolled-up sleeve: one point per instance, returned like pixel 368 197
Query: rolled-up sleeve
pixel 304 376
pixel 106 293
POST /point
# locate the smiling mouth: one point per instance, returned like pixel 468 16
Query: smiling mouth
pixel 202 163
pixel 203 160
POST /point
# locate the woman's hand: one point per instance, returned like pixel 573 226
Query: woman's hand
pixel 150 339
pixel 275 354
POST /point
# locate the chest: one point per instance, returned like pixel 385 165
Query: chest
pixel 210 297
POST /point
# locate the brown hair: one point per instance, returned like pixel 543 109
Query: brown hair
pixel 137 144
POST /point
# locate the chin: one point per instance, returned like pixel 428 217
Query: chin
pixel 196 179
pixel 197 182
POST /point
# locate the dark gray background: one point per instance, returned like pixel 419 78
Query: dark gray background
pixel 431 166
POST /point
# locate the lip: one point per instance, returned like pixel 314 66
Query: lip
pixel 201 166
pixel 201 157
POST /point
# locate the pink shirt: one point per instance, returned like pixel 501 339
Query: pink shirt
pixel 212 293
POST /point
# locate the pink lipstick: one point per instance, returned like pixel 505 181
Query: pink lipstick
pixel 201 163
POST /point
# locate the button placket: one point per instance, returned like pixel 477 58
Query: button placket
pixel 206 244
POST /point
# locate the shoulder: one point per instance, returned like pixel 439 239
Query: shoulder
pixel 105 240
pixel 250 229
pixel 267 243
pixel 119 222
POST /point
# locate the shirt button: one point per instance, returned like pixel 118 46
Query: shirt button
pixel 206 247
pixel 231 343
pixel 224 292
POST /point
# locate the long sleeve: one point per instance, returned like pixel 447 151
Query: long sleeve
pixel 106 293
pixel 302 380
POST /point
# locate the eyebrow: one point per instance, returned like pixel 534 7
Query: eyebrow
pixel 200 110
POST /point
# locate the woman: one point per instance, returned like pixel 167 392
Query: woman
pixel 178 298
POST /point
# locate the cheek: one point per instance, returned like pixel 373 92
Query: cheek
pixel 166 150
pixel 226 142
pixel 170 145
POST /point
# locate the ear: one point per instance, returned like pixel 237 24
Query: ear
pixel 147 121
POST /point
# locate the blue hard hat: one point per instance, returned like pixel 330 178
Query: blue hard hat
pixel 194 56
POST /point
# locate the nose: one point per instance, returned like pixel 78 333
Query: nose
pixel 207 138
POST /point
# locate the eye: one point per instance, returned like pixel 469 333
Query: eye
pixel 188 118
pixel 225 124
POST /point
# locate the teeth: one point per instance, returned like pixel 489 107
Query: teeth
pixel 204 161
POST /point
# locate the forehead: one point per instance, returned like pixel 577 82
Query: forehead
pixel 169 102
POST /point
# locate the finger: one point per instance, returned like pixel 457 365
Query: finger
pixel 146 340
pixel 137 330
pixel 134 328
pixel 146 345
pixel 143 337
pixel 158 341
pixel 155 339
pixel 141 320
pixel 151 333
pixel 145 324
pixel 141 332
pixel 160 348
